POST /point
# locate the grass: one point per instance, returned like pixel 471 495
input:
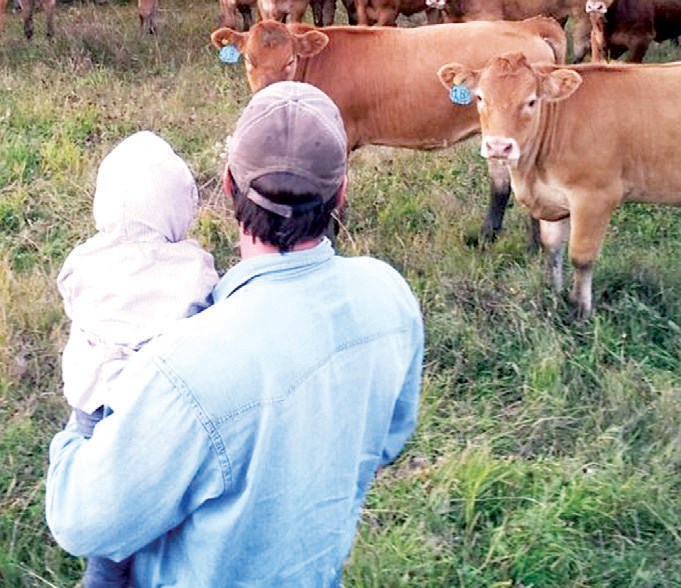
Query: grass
pixel 548 453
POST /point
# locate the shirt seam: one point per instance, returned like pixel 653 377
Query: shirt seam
pixel 304 376
pixel 208 424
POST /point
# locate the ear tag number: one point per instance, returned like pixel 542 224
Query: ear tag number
pixel 460 94
pixel 229 54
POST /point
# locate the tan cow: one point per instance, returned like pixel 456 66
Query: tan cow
pixel 561 10
pixel 27 10
pixel 631 25
pixel 382 81
pixel 579 141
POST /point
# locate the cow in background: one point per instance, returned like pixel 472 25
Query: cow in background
pixel 391 96
pixel 631 25
pixel 579 141
pixel 27 10
pixel 561 10
pixel 385 12
pixel 229 10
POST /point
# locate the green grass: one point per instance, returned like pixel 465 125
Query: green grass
pixel 548 452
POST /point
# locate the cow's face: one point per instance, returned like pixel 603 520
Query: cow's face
pixel 509 93
pixel 271 50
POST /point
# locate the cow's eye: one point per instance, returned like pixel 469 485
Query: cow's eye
pixel 531 102
pixel 291 62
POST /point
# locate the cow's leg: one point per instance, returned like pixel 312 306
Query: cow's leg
pixel 48 9
pixel 581 37
pixel 637 50
pixel 228 13
pixel 3 7
pixel 590 218
pixel 361 7
pixel 500 192
pixel 246 16
pixel 554 236
pixel 317 12
pixel 27 14
pixel 387 18
pixel 328 12
pixel 147 13
pixel 351 9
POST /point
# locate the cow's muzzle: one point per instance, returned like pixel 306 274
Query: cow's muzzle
pixel 504 148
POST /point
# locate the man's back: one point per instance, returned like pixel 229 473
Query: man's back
pixel 275 407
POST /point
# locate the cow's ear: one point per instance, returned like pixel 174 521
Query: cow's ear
pixel 310 43
pixel 454 74
pixel 226 36
pixel 559 84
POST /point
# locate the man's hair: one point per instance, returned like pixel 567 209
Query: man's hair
pixel 310 219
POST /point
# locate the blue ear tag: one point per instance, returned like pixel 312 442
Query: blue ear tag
pixel 460 94
pixel 229 54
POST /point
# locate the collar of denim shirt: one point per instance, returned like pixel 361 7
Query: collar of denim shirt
pixel 249 269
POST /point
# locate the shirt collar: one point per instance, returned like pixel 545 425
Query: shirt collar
pixel 251 268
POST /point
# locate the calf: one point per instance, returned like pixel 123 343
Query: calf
pixel 382 81
pixel 631 25
pixel 546 122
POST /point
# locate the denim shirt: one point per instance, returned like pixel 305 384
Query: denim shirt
pixel 243 440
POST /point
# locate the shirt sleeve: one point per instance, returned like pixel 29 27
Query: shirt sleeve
pixel 146 468
pixel 405 412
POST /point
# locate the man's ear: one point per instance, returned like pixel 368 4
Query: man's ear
pixel 559 84
pixel 227 186
pixel 309 44
pixel 453 74
pixel 342 196
pixel 227 36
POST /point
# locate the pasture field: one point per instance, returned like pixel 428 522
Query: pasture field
pixel 548 453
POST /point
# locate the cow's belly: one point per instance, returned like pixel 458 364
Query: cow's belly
pixel 544 200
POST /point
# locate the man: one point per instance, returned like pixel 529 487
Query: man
pixel 243 441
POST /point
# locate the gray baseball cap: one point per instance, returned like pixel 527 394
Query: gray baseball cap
pixel 289 127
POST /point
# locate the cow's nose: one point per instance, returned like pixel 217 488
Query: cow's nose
pixel 499 147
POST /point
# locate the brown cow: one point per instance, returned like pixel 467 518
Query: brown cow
pixel 282 10
pixel 546 122
pixel 389 97
pixel 385 12
pixel 561 10
pixel 27 10
pixel 631 25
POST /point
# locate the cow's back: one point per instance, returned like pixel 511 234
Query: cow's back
pixel 633 130
pixel 385 83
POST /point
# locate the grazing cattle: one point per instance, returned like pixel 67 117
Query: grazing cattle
pixel 561 10
pixel 631 25
pixel 27 10
pixel 390 96
pixel 385 12
pixel 579 141
pixel 229 10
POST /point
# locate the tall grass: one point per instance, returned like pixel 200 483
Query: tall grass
pixel 548 452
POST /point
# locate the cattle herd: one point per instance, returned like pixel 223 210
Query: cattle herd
pixel 571 141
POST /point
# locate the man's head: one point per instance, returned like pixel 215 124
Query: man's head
pixel 286 164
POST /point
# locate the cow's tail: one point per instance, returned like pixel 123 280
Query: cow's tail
pixel 550 30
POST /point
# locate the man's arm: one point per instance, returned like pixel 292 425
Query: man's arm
pixel 146 468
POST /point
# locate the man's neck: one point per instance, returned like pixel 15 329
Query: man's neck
pixel 252 246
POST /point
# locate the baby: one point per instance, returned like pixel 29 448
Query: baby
pixel 128 282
